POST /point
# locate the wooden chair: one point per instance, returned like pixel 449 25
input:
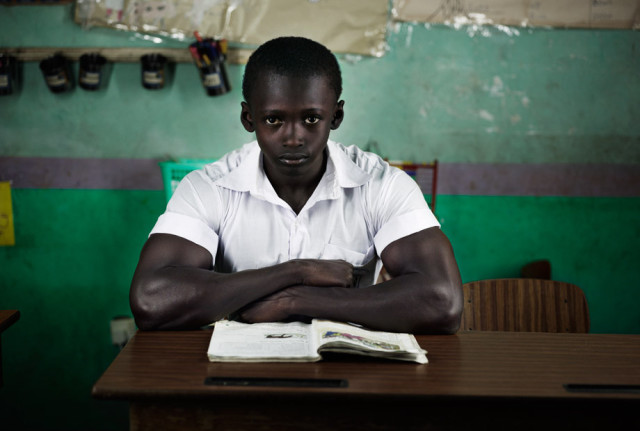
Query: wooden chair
pixel 426 175
pixel 537 269
pixel 526 305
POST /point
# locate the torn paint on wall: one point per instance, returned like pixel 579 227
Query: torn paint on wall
pixel 545 13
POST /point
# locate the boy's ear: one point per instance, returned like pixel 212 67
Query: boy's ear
pixel 245 118
pixel 338 115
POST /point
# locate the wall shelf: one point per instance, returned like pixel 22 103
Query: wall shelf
pixel 119 55
pixel 34 2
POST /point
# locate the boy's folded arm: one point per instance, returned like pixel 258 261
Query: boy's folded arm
pixel 424 295
pixel 175 287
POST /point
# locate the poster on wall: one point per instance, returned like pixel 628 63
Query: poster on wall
pixel 7 235
pixel 354 26
pixel 535 13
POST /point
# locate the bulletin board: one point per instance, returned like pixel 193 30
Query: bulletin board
pixel 354 26
pixel 536 13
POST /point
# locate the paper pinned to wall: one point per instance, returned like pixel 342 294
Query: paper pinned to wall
pixel 354 26
pixel 7 235
pixel 539 13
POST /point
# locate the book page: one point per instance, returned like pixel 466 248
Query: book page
pixel 261 342
pixel 341 337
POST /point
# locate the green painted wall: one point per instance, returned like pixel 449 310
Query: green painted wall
pixel 533 96
pixel 68 275
pixel 538 96
pixel 590 242
pixel 76 251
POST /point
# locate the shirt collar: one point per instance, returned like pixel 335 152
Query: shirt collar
pixel 249 175
pixel 348 173
pixel 243 176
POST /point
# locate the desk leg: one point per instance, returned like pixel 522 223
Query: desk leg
pixel 1 381
pixel 253 414
pixel 212 416
pixel 281 414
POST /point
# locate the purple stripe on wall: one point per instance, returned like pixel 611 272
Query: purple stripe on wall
pixel 66 173
pixel 454 178
pixel 539 179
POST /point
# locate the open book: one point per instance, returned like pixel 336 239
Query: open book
pixel 303 342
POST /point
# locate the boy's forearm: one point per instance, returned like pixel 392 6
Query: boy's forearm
pixel 175 297
pixel 403 304
pixel 188 298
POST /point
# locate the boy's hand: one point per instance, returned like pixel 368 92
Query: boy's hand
pixel 316 273
pixel 334 273
pixel 272 308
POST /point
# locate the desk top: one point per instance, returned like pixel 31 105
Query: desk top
pixel 468 364
pixel 8 318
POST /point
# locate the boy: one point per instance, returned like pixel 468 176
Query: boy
pixel 278 229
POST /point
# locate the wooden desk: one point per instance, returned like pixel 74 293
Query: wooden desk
pixel 474 380
pixel 7 318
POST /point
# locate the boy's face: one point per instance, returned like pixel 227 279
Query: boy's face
pixel 292 118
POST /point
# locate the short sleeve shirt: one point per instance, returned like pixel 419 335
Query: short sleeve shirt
pixel 360 206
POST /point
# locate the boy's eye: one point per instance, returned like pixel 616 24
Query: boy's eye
pixel 312 119
pixel 272 121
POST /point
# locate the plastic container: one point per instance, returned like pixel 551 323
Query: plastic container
pixel 153 76
pixel 57 73
pixel 90 72
pixel 214 78
pixel 209 56
pixel 174 171
pixel 8 74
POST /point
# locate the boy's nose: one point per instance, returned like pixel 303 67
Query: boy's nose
pixel 293 135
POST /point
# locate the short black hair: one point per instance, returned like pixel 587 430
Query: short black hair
pixel 291 56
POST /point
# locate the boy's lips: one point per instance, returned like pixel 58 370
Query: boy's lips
pixel 293 158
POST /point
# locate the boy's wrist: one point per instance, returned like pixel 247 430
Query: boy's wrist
pixel 298 270
pixel 312 301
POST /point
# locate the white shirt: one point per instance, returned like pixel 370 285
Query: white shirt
pixel 230 208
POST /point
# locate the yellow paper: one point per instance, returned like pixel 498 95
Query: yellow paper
pixel 7 236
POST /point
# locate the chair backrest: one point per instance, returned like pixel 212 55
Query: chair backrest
pixel 426 175
pixel 526 305
pixel 537 269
